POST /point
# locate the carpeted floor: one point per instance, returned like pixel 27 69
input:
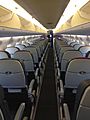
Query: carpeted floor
pixel 47 106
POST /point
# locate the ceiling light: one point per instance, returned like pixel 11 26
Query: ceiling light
pixel 71 9
pixel 17 9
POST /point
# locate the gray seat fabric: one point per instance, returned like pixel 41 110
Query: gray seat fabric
pixel 11 74
pixel 84 50
pixel 20 46
pixel 26 44
pixel 82 103
pixel 77 71
pixel 11 50
pixel 34 53
pixel 68 56
pixel 59 45
pixel 69 42
pixel 26 58
pixel 77 46
pixel 38 50
pixel 73 43
pixel 12 79
pixel 4 54
pixel 64 49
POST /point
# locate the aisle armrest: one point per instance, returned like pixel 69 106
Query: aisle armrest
pixel 66 112
pixel 40 64
pixel 61 92
pixel 31 86
pixel 57 64
pixel 31 92
pixel 20 111
pixel 37 75
pixel 58 74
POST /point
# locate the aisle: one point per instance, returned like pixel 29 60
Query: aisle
pixel 47 106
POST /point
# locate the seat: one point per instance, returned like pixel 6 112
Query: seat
pixel 66 58
pixel 34 53
pixel 11 50
pixel 77 46
pixel 26 59
pixel 4 109
pixel 38 50
pixel 20 46
pixel 81 109
pixel 64 49
pixel 74 43
pixel 12 79
pixel 77 71
pixel 84 50
pixel 26 44
pixel 70 42
pixel 4 54
pixel 59 45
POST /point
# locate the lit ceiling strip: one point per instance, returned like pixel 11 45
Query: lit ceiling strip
pixel 17 9
pixel 71 9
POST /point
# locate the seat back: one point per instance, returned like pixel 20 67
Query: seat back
pixel 12 79
pixel 20 46
pixel 68 56
pixel 64 49
pixel 82 103
pixel 84 50
pixel 73 43
pixel 77 71
pixel 77 46
pixel 38 50
pixel 34 53
pixel 11 50
pixel 26 58
pixel 12 74
pixel 26 44
pixel 4 54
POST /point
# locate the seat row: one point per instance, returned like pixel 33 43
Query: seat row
pixel 72 68
pixel 21 72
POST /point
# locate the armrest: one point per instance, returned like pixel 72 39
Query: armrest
pixel 66 112
pixel 31 92
pixel 41 67
pixel 20 112
pixel 57 64
pixel 40 64
pixel 36 72
pixel 31 86
pixel 58 74
pixel 61 92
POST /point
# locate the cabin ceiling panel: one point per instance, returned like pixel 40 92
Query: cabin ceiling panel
pixel 47 12
pixel 3 11
pixel 86 8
